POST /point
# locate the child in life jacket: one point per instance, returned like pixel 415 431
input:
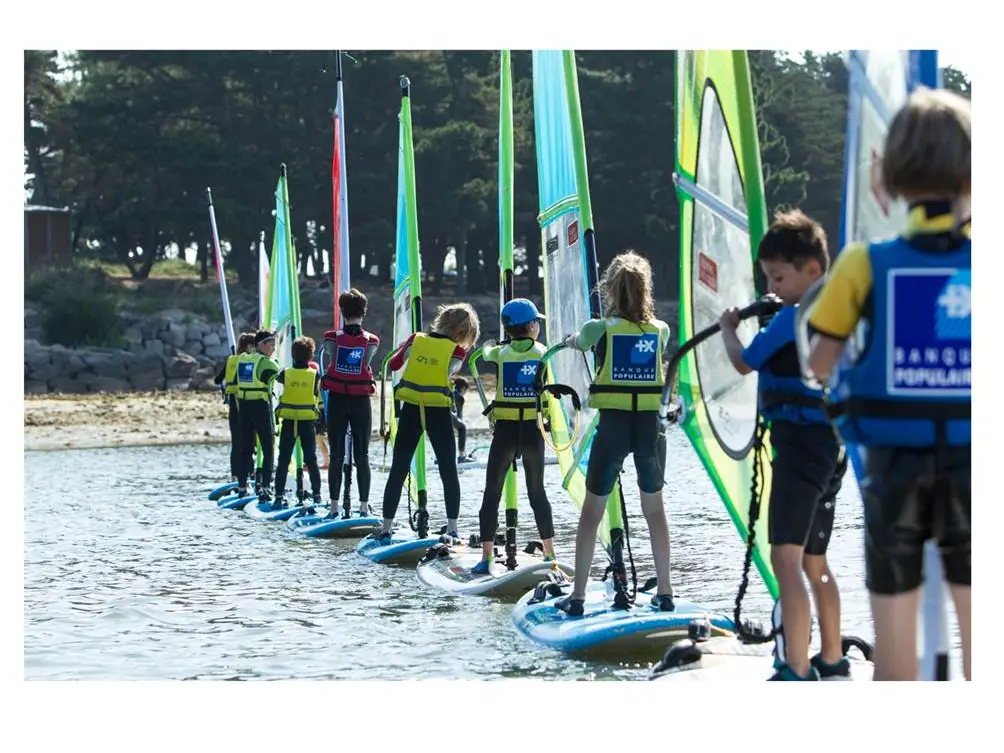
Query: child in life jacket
pixel 349 381
pixel 808 464
pixel 255 372
pixel 891 333
pixel 515 434
pixel 298 409
pixel 227 379
pixel 429 360
pixel 626 391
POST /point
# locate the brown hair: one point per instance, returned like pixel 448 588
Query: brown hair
pixel 626 287
pixel 352 303
pixel 796 238
pixel 303 348
pixel 459 322
pixel 927 149
pixel 518 330
pixel 245 342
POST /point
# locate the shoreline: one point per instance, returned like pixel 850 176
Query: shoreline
pixel 145 419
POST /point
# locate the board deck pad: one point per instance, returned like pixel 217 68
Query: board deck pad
pixel 264 511
pixel 641 631
pixel 403 549
pixel 323 527
pixel 233 502
pixel 453 573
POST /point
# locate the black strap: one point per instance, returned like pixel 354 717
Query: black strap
pixel 771 398
pixel 625 389
pixel 863 407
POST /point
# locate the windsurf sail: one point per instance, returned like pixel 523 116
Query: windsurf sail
pixel 510 489
pixel 340 267
pixel 722 218
pixel 880 82
pixel 282 300
pixel 218 256
pixel 263 269
pixel 407 299
pixel 570 278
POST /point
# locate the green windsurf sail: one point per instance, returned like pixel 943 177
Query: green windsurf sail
pixel 510 488
pixel 722 219
pixel 282 303
pixel 570 279
pixel 407 302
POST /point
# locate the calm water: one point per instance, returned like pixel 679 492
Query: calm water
pixel 136 575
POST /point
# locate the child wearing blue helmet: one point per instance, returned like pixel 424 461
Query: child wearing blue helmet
pixel 514 415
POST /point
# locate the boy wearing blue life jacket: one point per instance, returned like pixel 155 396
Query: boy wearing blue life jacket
pixel 808 465
pixel 893 335
pixel 515 434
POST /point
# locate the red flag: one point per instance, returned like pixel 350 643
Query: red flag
pixel 336 247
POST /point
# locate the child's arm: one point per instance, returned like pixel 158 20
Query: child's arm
pixel 837 310
pixel 588 336
pixel 733 346
pixel 400 355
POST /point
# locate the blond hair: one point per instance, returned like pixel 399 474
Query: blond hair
pixel 927 149
pixel 626 288
pixel 459 322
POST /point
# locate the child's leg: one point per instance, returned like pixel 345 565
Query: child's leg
pixel 361 421
pixel 650 464
pixel 338 420
pixel 461 428
pixel 307 442
pixel 827 597
pixel 961 596
pixel 824 585
pixel 439 428
pixel 236 440
pixel 409 430
pixel 800 474
pixel 896 492
pixel 246 468
pixel 955 539
pixel 500 457
pixel 286 443
pixel 533 470
pixel 265 429
pixel 605 460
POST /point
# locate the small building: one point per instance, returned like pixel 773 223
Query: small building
pixel 46 236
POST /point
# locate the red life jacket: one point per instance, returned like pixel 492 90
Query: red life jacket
pixel 349 372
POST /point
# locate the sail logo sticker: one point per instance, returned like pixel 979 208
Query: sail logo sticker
pixel 635 358
pixel 707 271
pixel 930 332
pixel 349 360
pixel 573 233
pixel 517 379
pixel 245 372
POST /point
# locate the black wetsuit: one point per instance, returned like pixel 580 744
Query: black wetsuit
pixel 512 439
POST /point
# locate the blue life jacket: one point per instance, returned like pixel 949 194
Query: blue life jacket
pixel 783 396
pixel 910 385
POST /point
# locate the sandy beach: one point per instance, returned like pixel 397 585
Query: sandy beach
pixel 59 422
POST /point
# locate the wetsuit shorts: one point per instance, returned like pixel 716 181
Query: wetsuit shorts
pixel 911 496
pixel 806 474
pixel 618 434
